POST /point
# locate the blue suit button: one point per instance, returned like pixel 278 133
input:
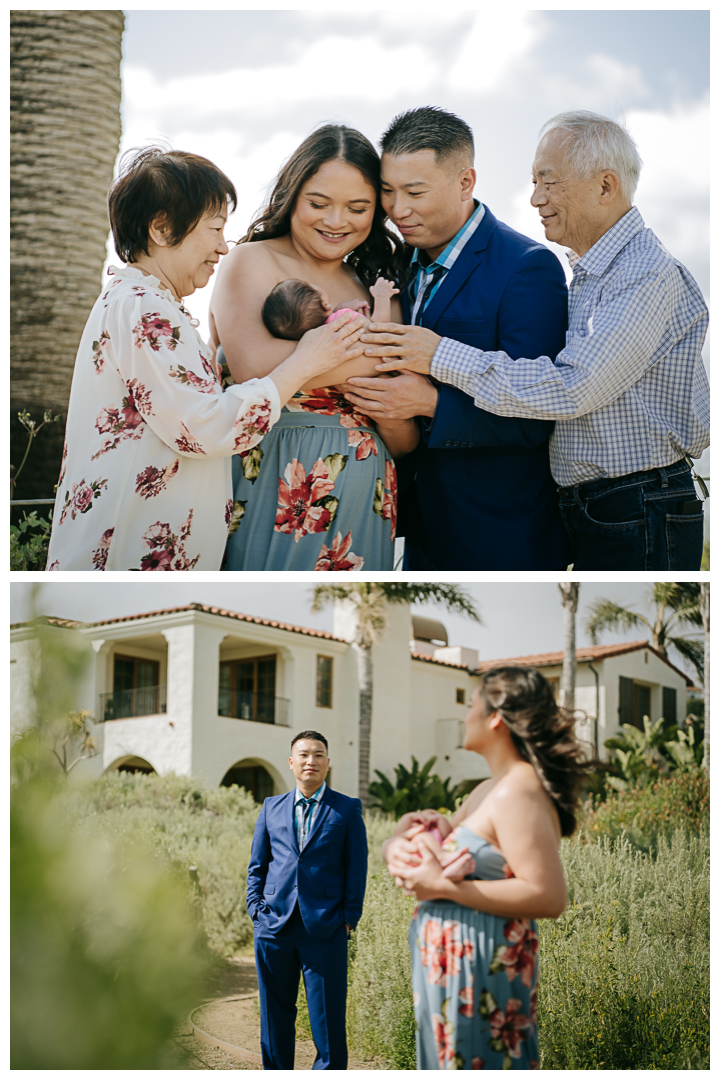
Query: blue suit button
pixel 447 442
pixel 464 444
pixel 456 443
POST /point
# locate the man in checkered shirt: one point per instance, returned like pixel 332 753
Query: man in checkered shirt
pixel 629 392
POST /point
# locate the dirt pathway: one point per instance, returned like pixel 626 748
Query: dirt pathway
pixel 235 1022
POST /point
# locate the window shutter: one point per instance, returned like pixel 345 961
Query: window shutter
pixel 625 707
pixel 669 705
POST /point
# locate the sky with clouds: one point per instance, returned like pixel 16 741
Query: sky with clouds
pixel 245 87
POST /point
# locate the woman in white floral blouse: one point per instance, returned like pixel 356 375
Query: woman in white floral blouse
pixel 146 477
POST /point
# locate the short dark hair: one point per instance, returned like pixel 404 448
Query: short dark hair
pixel 429 128
pixel 172 184
pixel 310 735
pixel 291 308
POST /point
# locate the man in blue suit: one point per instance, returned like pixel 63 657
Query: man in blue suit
pixel 477 493
pixel 305 890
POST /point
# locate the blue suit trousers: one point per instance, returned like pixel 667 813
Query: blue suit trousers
pixel 281 957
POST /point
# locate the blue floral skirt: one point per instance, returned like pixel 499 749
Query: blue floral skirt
pixel 318 493
pixel 474 988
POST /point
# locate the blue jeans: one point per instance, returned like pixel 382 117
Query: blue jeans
pixel 643 521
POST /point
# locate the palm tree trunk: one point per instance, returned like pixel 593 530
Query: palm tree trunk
pixel 569 593
pixel 65 134
pixel 365 682
pixel 705 609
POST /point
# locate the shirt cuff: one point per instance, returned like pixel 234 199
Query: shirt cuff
pixel 457 364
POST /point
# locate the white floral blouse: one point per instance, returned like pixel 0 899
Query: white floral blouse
pixel 146 475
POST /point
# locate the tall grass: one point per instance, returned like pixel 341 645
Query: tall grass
pixel 624 973
pixel 190 825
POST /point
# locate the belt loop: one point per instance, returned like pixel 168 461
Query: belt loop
pixel 663 477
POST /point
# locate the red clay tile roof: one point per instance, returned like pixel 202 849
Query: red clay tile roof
pixel 592 652
pixel 442 663
pixel 70 624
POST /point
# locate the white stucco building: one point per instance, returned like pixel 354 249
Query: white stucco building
pixel 202 691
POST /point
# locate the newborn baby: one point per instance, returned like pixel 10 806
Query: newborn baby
pixel 438 838
pixel 294 306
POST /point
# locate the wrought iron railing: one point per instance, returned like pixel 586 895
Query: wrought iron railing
pixel 124 704
pixel 263 708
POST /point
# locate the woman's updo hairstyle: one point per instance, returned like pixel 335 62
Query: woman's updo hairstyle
pixel 542 732
pixel 173 185
pixel 377 256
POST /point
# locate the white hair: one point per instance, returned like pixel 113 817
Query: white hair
pixel 593 143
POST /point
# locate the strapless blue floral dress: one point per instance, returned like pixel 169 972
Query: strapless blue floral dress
pixel 474 977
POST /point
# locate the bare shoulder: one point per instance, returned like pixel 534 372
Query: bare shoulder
pixel 260 257
pixel 521 780
pixel 473 800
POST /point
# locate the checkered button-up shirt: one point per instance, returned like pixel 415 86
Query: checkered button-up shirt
pixel 629 391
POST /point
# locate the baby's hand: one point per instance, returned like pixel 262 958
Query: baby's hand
pixel 355 305
pixel 383 289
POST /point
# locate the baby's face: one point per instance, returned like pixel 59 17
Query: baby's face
pixel 324 298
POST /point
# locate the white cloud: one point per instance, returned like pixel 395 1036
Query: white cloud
pixel 498 41
pixel 324 70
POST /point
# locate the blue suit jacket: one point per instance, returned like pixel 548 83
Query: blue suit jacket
pixel 477 494
pixel 327 878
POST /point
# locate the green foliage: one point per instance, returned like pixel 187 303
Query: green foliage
pixel 625 969
pixel 191 825
pixel 105 955
pixel 68 739
pixel 648 813
pixel 370 598
pixel 381 1021
pixel 29 541
pixel 414 789
pixel 642 756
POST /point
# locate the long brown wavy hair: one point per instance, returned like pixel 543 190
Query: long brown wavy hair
pixel 379 255
pixel 542 732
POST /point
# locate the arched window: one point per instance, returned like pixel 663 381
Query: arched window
pixel 254 778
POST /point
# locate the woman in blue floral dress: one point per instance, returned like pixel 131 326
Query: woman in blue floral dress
pixel 320 494
pixel 473 939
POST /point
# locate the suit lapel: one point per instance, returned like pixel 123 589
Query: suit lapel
pixel 469 259
pixel 320 815
pixel 290 819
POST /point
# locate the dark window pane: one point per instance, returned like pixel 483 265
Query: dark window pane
pixel 323 682
pixel 124 673
pixel 147 673
pixel 642 704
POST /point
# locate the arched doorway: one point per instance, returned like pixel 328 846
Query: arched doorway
pixel 251 776
pixel 131 764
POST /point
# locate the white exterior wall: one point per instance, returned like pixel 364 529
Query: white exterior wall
pixel 642 666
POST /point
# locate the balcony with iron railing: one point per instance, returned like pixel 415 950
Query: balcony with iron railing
pixel 262 708
pixel 126 704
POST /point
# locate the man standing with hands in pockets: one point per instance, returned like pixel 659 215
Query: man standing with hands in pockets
pixel 305 890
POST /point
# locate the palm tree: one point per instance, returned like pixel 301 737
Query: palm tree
pixel 369 600
pixel 677 603
pixel 65 134
pixel 705 612
pixel 569 597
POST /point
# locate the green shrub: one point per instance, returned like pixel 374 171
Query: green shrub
pixel 381 1021
pixel 105 952
pixel 649 812
pixel 193 825
pixel 29 541
pixel 624 972
pixel 414 789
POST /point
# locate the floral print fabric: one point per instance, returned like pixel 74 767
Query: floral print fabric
pixel 146 478
pixel 475 979
pixel 319 494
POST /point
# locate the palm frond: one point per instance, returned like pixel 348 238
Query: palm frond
pixel 452 597
pixel 691 650
pixel 607 615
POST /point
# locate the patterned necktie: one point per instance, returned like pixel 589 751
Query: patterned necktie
pixel 305 805
pixel 424 299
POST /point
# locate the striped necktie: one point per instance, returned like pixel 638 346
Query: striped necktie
pixel 305 805
pixel 425 294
